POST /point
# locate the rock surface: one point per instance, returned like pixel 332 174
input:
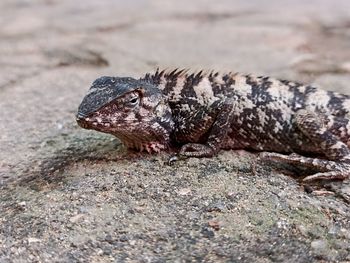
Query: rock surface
pixel 70 195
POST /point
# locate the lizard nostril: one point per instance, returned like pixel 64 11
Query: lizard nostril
pixel 80 116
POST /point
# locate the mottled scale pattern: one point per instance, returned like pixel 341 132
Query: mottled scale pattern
pixel 204 112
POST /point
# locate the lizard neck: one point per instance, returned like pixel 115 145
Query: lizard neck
pixel 153 135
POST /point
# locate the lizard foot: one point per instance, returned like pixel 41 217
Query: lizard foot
pixel 197 150
pixel 192 150
pixel 329 170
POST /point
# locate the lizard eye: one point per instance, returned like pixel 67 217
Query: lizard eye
pixel 133 101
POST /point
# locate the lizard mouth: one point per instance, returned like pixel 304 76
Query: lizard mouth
pixel 88 123
pixel 83 121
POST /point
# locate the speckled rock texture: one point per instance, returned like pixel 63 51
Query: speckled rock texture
pixel 71 195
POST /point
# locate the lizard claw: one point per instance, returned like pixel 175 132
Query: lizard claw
pixel 173 159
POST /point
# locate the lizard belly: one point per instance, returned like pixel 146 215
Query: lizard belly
pixel 288 141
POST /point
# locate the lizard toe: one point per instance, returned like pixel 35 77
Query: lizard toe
pixel 332 175
pixel 196 150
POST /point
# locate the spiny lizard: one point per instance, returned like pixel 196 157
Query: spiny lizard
pixel 206 112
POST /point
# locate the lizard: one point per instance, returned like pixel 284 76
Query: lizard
pixel 204 112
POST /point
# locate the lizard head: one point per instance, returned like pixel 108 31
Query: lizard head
pixel 133 110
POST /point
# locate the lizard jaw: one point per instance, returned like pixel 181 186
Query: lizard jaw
pixel 150 147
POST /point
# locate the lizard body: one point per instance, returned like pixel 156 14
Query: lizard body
pixel 206 112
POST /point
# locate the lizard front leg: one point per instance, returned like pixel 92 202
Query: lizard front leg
pixel 218 131
pixel 337 152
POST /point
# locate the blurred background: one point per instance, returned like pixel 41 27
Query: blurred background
pixel 302 40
